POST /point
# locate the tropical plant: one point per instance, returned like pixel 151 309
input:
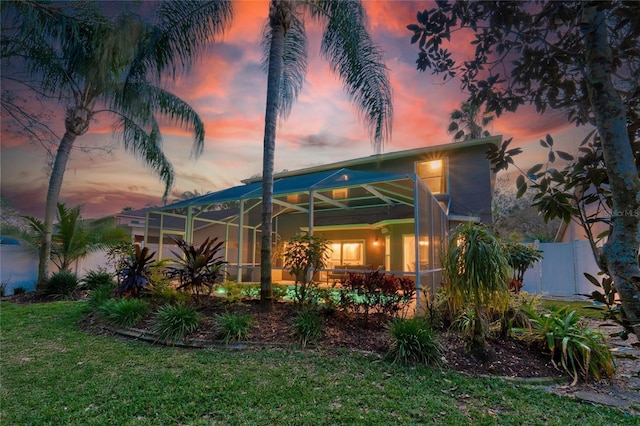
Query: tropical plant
pixel 352 55
pixel 580 349
pixel 124 312
pixel 134 275
pixel 97 278
pixel 475 271
pixel 94 63
pixel 174 322
pixel 375 291
pixel 197 268
pixel 307 325
pixel 233 326
pixel 100 295
pixel 62 284
pixel 413 342
pixel 589 71
pixel 303 256
pixel 73 237
pixel 467 123
pixel 520 258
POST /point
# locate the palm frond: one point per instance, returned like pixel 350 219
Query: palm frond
pixel 359 64
pixel 148 146
pixel 183 29
pixel 143 102
pixel 294 63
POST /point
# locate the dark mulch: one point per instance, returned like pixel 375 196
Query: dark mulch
pixel 513 357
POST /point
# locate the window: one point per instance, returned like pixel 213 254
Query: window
pixel 340 194
pixel 346 253
pixel 409 252
pixel 433 174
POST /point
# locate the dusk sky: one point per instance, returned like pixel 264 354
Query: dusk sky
pixel 228 89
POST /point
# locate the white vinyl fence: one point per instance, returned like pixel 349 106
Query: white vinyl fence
pixel 561 272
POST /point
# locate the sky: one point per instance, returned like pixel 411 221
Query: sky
pixel 227 88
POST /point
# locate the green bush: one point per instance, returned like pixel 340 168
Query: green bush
pixel 124 312
pixel 413 342
pixel 174 322
pixel 233 292
pixel 94 279
pixel 100 295
pixel 19 290
pixel 234 326
pixel 578 348
pixel 166 294
pixel 307 325
pixel 63 284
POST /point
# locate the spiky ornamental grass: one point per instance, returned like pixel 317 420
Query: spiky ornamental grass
pixel 234 326
pixel 413 342
pixel 124 312
pixel 308 326
pixel 174 322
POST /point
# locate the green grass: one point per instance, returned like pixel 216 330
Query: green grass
pixel 54 373
pixel 581 307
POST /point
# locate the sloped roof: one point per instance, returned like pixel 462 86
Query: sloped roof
pixel 324 180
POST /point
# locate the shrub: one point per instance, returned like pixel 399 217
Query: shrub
pixel 278 291
pixel 63 284
pixel 516 315
pixel 307 325
pixel 124 312
pixel 94 279
pixel 134 272
pixel 19 290
pixel 234 326
pixel 100 295
pixel 174 322
pixel 579 348
pixel 233 292
pixel 198 267
pixel 375 291
pixel 413 342
pixel 303 255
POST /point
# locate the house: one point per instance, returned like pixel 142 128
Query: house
pixel 389 211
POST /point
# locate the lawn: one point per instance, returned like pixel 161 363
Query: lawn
pixel 53 372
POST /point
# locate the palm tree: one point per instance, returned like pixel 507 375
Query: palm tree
pixel 467 123
pixel 92 64
pixel 74 238
pixel 352 55
pixel 475 271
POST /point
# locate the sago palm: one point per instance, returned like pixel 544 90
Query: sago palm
pixel 92 64
pixel 475 271
pixel 352 55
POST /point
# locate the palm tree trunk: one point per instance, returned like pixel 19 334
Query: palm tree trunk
pixel 53 194
pixel 279 17
pixel 621 249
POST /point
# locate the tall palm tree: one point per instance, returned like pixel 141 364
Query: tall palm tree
pixel 92 63
pixel 352 55
pixel 467 123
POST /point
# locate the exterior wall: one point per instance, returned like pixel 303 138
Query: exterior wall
pixel 470 180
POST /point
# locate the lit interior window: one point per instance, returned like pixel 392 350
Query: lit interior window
pixel 432 174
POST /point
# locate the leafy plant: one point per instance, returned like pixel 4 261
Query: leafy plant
pixel 124 312
pixel 413 342
pixel 199 267
pixel 303 255
pixel 307 325
pixel 233 291
pixel 62 284
pixel 134 275
pixel 100 295
pixel 19 290
pixel 97 278
pixel 520 258
pixel 376 291
pixel 475 271
pixel 174 322
pixel 578 348
pixel 233 326
pixel 517 315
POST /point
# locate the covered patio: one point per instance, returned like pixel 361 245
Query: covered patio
pixel 374 220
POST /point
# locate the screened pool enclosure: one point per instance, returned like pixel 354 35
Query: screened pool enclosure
pixel 373 220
